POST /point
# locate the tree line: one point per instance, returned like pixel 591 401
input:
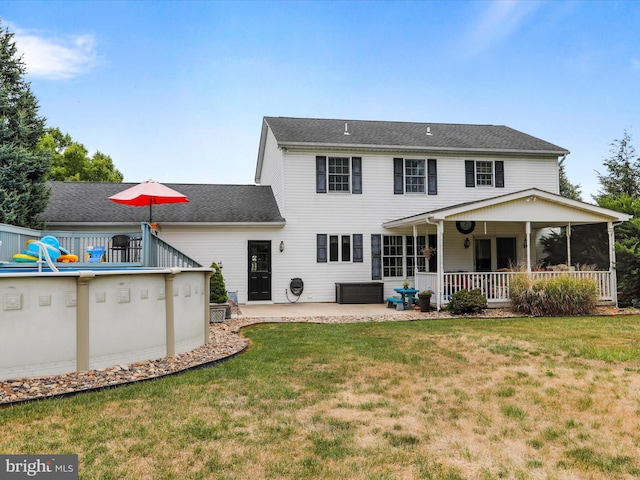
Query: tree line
pixel 31 153
pixel 619 191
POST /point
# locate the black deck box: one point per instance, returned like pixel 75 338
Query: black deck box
pixel 368 292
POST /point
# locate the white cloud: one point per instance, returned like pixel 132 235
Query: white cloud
pixel 56 57
pixel 499 22
pixel 635 64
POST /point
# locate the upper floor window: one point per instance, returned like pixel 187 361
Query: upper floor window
pixel 341 174
pixel 484 173
pixel 338 174
pixel 412 175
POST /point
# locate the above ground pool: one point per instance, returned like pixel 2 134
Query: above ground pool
pixel 87 317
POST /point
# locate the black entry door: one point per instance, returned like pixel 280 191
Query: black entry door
pixel 506 253
pixel 259 270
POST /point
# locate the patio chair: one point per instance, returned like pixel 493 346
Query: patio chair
pixel 120 243
pixel 95 254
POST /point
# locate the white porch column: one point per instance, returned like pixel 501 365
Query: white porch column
pixel 612 262
pixel 568 245
pixel 528 240
pixel 440 259
pixel 415 254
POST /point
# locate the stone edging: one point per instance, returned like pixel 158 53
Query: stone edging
pixel 225 342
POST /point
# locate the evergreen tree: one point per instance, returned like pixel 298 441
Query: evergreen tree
pixel 589 243
pixel 567 189
pixel 621 192
pixel 627 246
pixel 623 170
pixel 217 287
pixel 23 168
pixel 70 160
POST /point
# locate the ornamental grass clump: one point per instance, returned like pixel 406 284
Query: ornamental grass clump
pixel 552 296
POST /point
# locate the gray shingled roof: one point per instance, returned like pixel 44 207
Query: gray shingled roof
pixel 88 202
pixel 444 136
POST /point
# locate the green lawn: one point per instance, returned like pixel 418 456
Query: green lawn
pixel 550 398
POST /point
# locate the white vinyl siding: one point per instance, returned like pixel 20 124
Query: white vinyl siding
pixel 308 213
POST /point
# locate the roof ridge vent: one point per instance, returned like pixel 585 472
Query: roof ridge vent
pixel 429 131
pixel 346 128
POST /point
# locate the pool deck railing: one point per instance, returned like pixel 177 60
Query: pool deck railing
pixel 143 249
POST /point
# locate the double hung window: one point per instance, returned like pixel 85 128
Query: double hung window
pixel 392 256
pixel 412 255
pixel 339 248
pixel 414 175
pixel 338 174
pixel 484 173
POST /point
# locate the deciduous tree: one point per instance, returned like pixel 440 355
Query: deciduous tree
pixel 70 160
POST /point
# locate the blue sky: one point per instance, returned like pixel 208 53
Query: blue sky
pixel 176 90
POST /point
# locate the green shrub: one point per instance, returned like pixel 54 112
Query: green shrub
pixel 217 287
pixel 553 295
pixel 467 301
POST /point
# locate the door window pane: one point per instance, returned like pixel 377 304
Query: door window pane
pixel 506 253
pixel 483 254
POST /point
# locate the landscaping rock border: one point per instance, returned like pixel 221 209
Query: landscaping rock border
pixel 225 342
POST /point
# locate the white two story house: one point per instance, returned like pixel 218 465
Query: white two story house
pixel 442 206
pixel 365 201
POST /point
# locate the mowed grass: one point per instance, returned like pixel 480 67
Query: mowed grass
pixel 552 398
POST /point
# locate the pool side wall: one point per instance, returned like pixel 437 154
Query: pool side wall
pixel 127 319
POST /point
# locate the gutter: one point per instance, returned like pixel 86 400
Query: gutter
pixel 410 148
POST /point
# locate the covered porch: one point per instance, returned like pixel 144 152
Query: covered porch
pixel 483 244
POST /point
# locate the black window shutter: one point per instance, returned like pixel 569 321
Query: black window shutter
pixel 321 249
pixel 356 175
pixel 357 248
pixel 398 177
pixel 321 174
pixel 499 166
pixel 376 257
pixel 432 176
pixel 470 173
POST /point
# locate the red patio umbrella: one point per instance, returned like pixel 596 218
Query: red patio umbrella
pixel 148 193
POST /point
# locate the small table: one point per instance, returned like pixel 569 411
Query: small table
pixel 408 295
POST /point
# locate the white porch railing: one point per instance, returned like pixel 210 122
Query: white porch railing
pixel 495 285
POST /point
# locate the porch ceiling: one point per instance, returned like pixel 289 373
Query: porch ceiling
pixel 542 209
